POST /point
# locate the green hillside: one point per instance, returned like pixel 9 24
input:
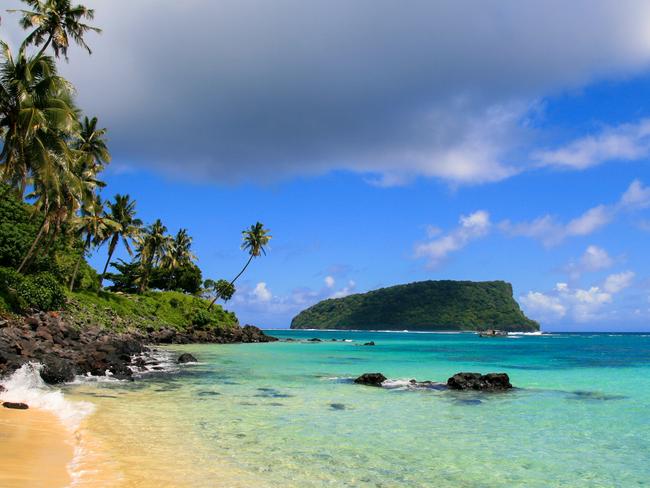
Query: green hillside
pixel 426 305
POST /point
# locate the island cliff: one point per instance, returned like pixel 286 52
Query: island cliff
pixel 424 306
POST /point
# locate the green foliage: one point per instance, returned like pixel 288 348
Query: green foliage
pixel 127 278
pixel 427 305
pixel 119 311
pixel 186 277
pixel 18 228
pixel 41 291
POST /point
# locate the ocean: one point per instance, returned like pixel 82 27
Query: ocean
pixel 287 414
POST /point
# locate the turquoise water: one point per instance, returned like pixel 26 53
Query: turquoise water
pixel 286 414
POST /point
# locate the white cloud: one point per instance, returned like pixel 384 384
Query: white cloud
pixel 329 281
pixel 262 293
pixel 552 232
pixel 624 142
pixel 594 259
pixel 636 196
pixel 617 282
pixel 344 292
pixel 578 304
pixel 471 227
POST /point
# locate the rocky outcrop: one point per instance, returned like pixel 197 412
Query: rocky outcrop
pixel 371 343
pixel 186 358
pixel 370 379
pixel 477 381
pixel 66 351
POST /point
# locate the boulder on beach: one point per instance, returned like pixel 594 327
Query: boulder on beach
pixel 477 381
pixel 186 358
pixel 371 379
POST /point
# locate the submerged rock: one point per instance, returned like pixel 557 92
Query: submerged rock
pixel 477 381
pixel 371 343
pixel 370 379
pixel 15 405
pixel 315 339
pixel 186 358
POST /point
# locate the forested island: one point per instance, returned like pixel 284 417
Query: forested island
pixel 424 306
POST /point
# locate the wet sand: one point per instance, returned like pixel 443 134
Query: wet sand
pixel 35 449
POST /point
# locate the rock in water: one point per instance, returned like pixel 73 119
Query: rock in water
pixel 187 358
pixel 371 343
pixel 57 370
pixel 477 381
pixel 371 379
pixel 315 339
pixel 17 406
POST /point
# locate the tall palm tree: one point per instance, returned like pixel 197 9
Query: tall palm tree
pixel 37 117
pixel 255 239
pixel 91 145
pixel 179 252
pixel 122 212
pixel 154 246
pixel 54 22
pixel 93 225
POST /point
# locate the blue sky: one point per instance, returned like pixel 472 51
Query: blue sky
pixel 384 144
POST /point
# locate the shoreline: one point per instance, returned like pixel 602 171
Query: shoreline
pixel 36 449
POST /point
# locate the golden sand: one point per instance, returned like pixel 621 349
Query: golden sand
pixel 35 449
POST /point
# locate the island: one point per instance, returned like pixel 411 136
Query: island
pixel 422 306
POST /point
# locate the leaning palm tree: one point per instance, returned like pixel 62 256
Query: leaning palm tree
pixel 93 225
pixel 122 212
pixel 255 239
pixel 54 22
pixel 153 247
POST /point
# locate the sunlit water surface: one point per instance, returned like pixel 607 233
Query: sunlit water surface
pixel 287 415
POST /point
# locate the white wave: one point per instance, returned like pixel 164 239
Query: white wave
pixel 392 384
pixel 536 333
pixel 26 385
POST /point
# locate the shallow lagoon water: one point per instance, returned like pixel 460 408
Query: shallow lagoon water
pixel 287 414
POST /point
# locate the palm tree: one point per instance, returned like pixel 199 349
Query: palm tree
pixel 254 241
pixel 94 225
pixel 179 252
pixel 37 117
pixel 54 22
pixel 91 144
pixel 122 212
pixel 154 246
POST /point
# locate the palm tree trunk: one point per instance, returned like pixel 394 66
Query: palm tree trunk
pixel 76 266
pixel 44 48
pixel 111 250
pixel 33 246
pixel 233 281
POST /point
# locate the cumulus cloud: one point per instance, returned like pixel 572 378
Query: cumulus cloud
pixel 329 281
pixel 637 196
pixel 627 142
pixel 262 293
pixel 471 227
pixel 256 90
pixel 577 304
pixel 594 259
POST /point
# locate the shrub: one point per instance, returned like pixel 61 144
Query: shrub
pixel 201 317
pixel 41 291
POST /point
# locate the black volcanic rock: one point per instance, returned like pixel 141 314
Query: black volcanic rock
pixel 477 381
pixel 57 370
pixel 370 379
pixel 186 358
pixel 15 405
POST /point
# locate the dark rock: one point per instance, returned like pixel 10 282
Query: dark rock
pixel 371 379
pixel 371 343
pixel 2 388
pixel 17 406
pixel 57 370
pixel 337 406
pixel 186 358
pixel 315 339
pixel 477 381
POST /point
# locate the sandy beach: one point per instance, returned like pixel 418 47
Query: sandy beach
pixel 35 449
